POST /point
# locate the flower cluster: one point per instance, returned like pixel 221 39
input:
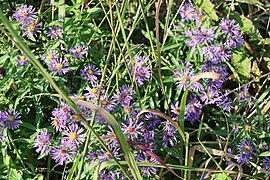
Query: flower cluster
pixel 72 135
pixel 27 17
pixel 55 63
pixel 216 46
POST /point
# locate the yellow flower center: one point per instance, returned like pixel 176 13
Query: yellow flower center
pixel 20 11
pixel 23 58
pixel 177 111
pixel 105 103
pixel 10 118
pixel 90 72
pixel 81 98
pixel 126 110
pixel 78 51
pixel 185 79
pixel 76 117
pixel 50 57
pixel 55 122
pixel 73 136
pixel 186 13
pixel 248 148
pixel 32 27
pixel 94 91
pixel 203 18
pixel 146 160
pixel 107 155
pixel 53 31
pixel 59 66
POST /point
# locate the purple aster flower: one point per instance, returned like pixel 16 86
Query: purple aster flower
pixel 234 42
pixel 132 128
pixel 187 13
pixel 169 136
pixel 210 96
pixel 216 54
pixel 153 119
pixel 90 73
pixel 22 61
pixel 124 95
pixel 193 39
pixel 24 14
pixel 54 32
pixel 246 149
pixel 42 142
pixel 229 27
pixel 262 147
pixel 50 56
pixel 62 155
pixel 106 156
pixel 183 78
pixel 235 129
pixel 193 109
pixel 91 157
pixel 107 103
pixel 222 53
pixel 59 67
pixel 73 135
pixel 175 109
pixel 229 161
pixel 12 119
pixel 106 174
pixel 60 118
pixel 3 119
pixel 142 72
pixel 266 163
pixel 112 141
pixel 147 171
pixel 147 139
pixel 78 51
pixel 244 96
pixel 218 68
pixel 91 93
pixel 200 17
pixel 31 30
pixel 205 35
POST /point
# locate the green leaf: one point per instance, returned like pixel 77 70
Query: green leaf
pixel 252 2
pixel 220 176
pixel 265 41
pixel 245 24
pixel 74 167
pixel 267 153
pixel 242 63
pixel 14 175
pixel 208 8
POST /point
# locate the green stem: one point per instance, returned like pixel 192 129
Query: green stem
pixel 48 168
pixel 16 149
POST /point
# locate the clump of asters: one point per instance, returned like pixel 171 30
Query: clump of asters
pixel 28 21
